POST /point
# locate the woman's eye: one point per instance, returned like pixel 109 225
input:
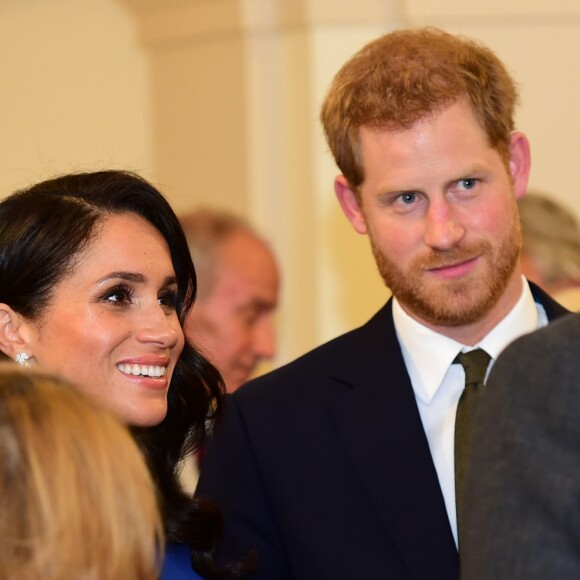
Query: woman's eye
pixel 168 299
pixel 119 295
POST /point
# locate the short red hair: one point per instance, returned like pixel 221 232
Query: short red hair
pixel 406 75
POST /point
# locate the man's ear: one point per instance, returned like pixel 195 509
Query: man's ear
pixel 350 204
pixel 519 163
pixel 14 332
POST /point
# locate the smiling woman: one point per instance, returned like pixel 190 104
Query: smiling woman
pixel 123 289
pixel 96 281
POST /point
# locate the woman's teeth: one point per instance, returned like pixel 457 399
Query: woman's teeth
pixel 146 370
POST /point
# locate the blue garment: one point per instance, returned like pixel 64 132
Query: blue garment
pixel 177 564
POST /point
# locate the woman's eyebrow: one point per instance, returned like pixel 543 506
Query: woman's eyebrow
pixel 128 276
pixel 134 277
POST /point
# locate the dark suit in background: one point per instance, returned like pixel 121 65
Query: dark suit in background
pixel 522 518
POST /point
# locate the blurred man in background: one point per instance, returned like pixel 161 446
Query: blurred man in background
pixel 232 320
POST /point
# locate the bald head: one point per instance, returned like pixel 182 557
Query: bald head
pixel 238 282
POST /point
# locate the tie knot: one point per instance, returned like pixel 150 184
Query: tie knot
pixel 475 364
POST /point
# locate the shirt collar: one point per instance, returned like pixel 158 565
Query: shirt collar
pixel 428 354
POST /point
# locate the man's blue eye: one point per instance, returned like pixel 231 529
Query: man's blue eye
pixel 468 183
pixel 408 197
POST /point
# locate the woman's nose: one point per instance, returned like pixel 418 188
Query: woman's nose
pixel 160 327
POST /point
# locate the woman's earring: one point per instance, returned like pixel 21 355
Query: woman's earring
pixel 22 358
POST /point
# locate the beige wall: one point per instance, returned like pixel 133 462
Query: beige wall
pixel 75 90
pixel 217 101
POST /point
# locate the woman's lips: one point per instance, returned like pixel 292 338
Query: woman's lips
pixel 147 371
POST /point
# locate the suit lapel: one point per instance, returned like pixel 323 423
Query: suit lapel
pixel 553 309
pixel 374 410
pixel 375 414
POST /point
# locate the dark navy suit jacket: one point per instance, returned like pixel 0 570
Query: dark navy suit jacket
pixel 323 466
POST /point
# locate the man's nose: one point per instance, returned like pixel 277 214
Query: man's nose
pixel 443 230
pixel 265 338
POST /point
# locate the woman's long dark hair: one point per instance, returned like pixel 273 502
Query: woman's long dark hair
pixel 43 229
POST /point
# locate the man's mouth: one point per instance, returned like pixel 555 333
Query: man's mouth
pixel 447 265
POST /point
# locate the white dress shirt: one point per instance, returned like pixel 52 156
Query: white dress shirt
pixel 438 383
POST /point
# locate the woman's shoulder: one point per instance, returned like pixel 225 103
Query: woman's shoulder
pixel 177 563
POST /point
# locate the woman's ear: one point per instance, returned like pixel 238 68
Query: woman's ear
pixel 14 332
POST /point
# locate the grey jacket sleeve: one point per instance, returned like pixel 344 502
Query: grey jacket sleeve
pixel 522 514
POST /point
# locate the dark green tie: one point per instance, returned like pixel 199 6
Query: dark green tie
pixel 475 365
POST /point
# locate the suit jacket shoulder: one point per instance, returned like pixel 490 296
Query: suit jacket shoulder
pixel 315 456
pixel 522 485
pixel 348 359
pixel 553 309
pixel 355 355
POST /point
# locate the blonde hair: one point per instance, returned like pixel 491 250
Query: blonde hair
pixel 551 237
pixel 76 497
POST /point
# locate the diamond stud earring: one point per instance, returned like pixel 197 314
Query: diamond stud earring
pixel 22 358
